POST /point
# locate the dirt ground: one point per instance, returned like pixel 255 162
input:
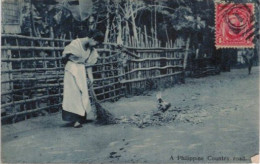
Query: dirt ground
pixel 212 119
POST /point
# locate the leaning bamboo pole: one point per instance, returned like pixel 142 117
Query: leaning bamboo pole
pixel 186 53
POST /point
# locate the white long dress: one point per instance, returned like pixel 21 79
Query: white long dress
pixel 75 94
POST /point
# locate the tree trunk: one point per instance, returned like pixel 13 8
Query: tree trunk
pixel 119 33
pixel 127 34
pixel 107 26
pixel 155 23
pixel 32 19
pixel 119 27
pixel 133 24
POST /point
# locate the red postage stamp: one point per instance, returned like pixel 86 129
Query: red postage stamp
pixel 234 25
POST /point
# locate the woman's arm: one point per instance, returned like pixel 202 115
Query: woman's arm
pixel 76 59
pixel 90 76
pixel 90 62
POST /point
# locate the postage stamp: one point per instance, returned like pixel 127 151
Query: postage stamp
pixel 234 25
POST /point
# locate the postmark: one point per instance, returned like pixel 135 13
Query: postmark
pixel 234 25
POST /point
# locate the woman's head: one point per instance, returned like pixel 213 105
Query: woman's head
pixel 98 36
pixel 94 40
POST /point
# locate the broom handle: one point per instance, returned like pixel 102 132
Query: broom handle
pixel 93 95
pixel 123 49
pixel 130 53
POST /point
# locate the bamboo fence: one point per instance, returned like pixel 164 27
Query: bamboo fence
pixel 32 73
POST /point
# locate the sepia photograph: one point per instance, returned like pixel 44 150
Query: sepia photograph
pixel 130 81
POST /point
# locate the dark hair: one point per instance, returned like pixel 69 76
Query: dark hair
pixel 83 34
pixel 94 34
pixel 98 36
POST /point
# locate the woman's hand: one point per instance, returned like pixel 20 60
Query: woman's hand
pixel 90 83
pixel 90 76
pixel 65 59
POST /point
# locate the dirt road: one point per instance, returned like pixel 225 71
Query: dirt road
pixel 216 121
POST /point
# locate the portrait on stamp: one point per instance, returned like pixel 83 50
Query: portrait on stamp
pixel 234 25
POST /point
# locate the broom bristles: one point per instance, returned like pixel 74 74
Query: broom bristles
pixel 103 116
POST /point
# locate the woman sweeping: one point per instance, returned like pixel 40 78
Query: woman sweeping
pixel 76 103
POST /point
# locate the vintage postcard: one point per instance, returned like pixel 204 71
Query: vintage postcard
pixel 130 81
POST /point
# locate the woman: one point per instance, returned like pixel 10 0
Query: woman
pixel 78 54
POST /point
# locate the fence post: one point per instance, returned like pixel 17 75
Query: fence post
pixel 186 53
pixel 185 60
pixel 121 70
pixel 7 66
pixel 53 54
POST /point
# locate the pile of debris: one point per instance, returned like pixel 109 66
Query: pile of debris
pixel 164 114
pixel 160 118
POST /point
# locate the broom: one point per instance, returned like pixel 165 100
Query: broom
pixel 103 115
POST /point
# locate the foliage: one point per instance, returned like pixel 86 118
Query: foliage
pixel 167 19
